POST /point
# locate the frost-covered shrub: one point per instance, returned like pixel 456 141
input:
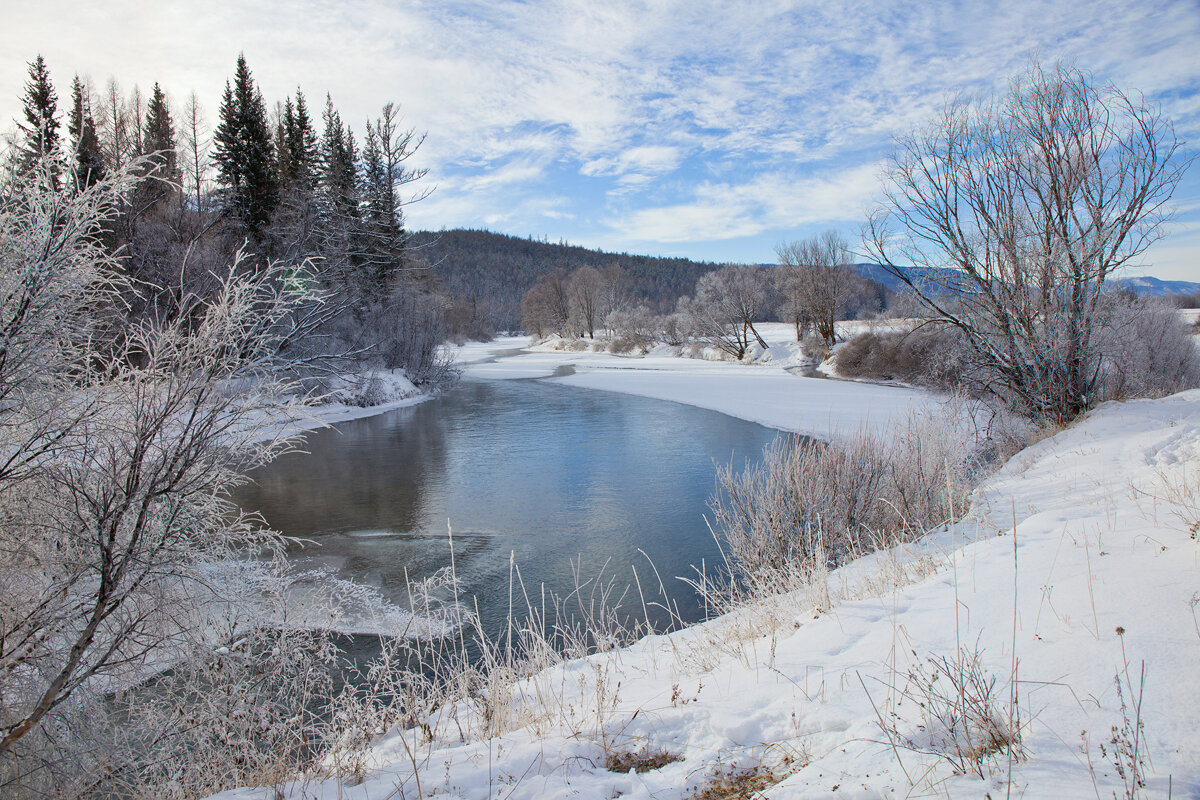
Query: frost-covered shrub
pixel 637 327
pixel 371 388
pixel 927 356
pixel 815 347
pixel 1148 350
pixel 821 503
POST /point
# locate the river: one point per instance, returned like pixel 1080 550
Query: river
pixel 571 482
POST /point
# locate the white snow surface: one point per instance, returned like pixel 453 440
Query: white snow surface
pixel 1101 543
pixel 769 391
pixel 389 390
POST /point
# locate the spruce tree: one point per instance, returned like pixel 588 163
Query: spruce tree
pixel 385 173
pixel 159 138
pixel 284 167
pixel 244 154
pixel 380 233
pixel 88 165
pixel 40 131
pixel 339 175
pixel 302 146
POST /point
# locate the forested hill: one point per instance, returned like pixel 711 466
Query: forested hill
pixel 495 270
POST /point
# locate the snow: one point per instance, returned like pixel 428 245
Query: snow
pixel 769 391
pixel 1097 578
pixel 389 390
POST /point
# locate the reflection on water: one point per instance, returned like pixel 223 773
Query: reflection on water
pixel 552 474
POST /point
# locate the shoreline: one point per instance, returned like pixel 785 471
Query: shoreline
pixel 766 392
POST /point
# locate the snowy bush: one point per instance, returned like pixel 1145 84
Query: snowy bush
pixel 1148 350
pixel 926 356
pixel 815 504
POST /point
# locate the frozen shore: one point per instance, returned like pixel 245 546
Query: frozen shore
pixel 769 392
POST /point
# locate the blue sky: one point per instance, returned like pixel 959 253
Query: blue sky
pixel 712 130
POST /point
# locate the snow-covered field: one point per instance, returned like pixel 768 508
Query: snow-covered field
pixel 1105 572
pixel 1077 571
pixel 765 392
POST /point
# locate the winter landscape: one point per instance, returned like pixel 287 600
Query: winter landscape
pixel 555 400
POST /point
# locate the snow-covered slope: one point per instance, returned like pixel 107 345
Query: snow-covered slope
pixel 1106 575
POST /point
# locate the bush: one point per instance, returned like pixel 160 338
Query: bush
pixel 1145 350
pixel 927 356
pixel 1148 350
pixel 817 504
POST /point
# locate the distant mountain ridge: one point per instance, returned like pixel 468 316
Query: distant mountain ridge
pixel 1145 285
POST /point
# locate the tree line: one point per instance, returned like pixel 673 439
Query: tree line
pixel 812 287
pixel 276 184
pixel 486 273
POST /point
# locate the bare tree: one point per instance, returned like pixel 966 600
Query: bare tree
pixel 1035 198
pixel 586 287
pixel 115 124
pixel 546 307
pixel 726 303
pixel 119 448
pixel 613 292
pixel 397 146
pixel 194 133
pixel 816 282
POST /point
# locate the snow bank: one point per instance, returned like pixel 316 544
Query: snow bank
pixel 357 395
pixel 768 392
pixel 1104 569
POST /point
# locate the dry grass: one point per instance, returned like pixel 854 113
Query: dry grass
pixel 819 504
pixel 643 760
pixel 737 783
pixel 964 719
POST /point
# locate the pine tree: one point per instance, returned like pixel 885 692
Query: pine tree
pixel 339 176
pixel 40 131
pixel 244 153
pixel 88 164
pixel 378 230
pixel 284 167
pixel 159 137
pixel 302 146
pixel 385 173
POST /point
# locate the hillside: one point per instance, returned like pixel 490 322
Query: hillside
pixel 499 269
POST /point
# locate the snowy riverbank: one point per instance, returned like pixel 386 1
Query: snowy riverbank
pixel 768 392
pixel 386 390
pixel 1104 569
pixel 1075 573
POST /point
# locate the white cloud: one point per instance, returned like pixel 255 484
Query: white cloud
pixel 767 202
pixel 697 118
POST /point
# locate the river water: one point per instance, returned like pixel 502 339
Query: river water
pixel 570 482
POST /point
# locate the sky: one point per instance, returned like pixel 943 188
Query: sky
pixel 699 128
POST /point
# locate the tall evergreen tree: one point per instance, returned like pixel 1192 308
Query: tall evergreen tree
pixel 88 164
pixel 302 144
pixel 244 154
pixel 384 176
pixel 339 174
pixel 159 137
pixel 283 150
pixel 40 131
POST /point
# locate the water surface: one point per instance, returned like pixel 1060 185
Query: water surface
pixel 567 480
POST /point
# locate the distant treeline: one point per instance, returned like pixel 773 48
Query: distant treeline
pixel 489 272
